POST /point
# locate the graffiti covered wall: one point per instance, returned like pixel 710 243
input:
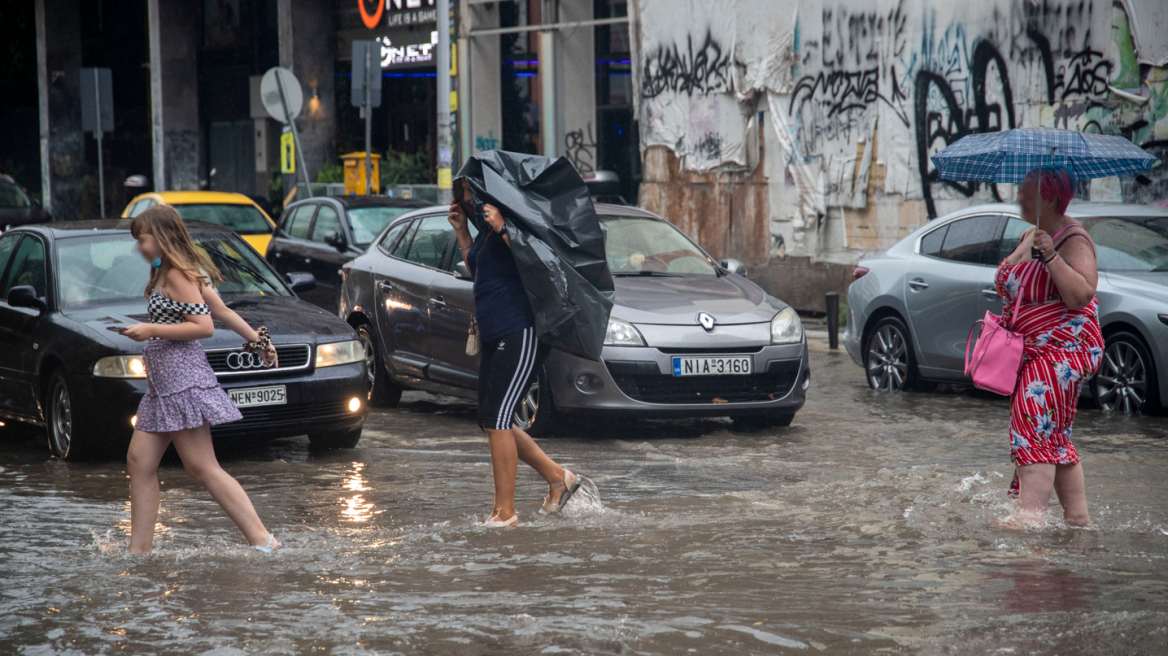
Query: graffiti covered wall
pixel 859 94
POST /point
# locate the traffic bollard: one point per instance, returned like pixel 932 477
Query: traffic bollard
pixel 832 300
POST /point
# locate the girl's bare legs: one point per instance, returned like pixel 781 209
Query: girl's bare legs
pixel 507 448
pixel 142 460
pixel 1072 494
pixel 1035 483
pixel 198 457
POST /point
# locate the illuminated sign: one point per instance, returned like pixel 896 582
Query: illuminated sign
pixel 407 54
pixel 371 20
pixel 409 12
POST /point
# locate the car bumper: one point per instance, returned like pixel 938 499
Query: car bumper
pixel 316 402
pixel 852 330
pixel 638 381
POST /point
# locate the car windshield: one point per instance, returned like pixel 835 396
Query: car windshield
pixel 642 246
pixel 12 196
pixel 1130 243
pixel 240 219
pixel 367 222
pixel 108 269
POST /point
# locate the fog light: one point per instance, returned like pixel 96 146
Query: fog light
pixel 354 404
pixel 589 383
pixel 134 421
pixel 807 381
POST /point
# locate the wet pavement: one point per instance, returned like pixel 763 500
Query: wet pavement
pixel 871 525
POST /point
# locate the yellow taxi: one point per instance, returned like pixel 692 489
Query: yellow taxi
pixel 236 212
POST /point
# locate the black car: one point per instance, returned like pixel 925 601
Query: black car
pixel 17 208
pixel 67 286
pixel 318 235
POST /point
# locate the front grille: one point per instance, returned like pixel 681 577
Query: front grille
pixel 712 351
pixel 775 383
pixel 292 357
pixel 282 417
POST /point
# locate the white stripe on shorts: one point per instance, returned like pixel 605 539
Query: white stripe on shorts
pixel 522 371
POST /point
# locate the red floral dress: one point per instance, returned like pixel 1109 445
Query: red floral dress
pixel 1062 350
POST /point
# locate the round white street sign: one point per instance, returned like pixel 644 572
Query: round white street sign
pixel 270 93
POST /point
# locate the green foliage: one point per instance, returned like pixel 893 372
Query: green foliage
pixel 405 168
pixel 331 173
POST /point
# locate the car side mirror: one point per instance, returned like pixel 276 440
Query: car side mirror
pixel 336 240
pixel 462 272
pixel 25 296
pixel 734 266
pixel 301 281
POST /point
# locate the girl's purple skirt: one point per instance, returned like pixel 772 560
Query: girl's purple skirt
pixel 183 391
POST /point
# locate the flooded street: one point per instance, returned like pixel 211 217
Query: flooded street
pixel 868 526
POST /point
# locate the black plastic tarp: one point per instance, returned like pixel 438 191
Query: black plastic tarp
pixel 556 240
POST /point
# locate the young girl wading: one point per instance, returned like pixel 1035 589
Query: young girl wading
pixel 183 398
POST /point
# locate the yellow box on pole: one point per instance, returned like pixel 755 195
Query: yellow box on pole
pixel 287 153
pixel 355 173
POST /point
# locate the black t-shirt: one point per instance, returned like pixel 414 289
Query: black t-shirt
pixel 501 306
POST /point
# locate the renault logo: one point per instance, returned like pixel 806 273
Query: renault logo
pixel 706 320
pixel 242 361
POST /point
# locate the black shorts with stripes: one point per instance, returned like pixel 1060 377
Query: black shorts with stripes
pixel 507 368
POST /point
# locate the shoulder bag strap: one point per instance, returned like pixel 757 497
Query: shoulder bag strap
pixel 1018 300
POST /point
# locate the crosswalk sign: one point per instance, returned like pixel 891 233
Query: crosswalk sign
pixel 287 152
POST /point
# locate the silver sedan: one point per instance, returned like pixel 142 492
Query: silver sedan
pixel 688 336
pixel 911 308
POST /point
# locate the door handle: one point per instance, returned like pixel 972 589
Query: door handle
pixel 991 293
pixel 384 286
pixel 438 301
pixel 918 284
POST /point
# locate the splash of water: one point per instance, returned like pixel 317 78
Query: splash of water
pixel 586 500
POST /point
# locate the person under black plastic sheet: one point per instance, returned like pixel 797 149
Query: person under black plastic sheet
pixel 556 240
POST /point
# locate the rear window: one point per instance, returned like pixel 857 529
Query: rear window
pixel 12 196
pixel 368 222
pixel 240 219
pixel 1138 243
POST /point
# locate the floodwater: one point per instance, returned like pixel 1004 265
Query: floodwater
pixel 868 526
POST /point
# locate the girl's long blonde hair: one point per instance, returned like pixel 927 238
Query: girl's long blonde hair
pixel 168 229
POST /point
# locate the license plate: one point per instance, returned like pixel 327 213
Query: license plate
pixel 247 397
pixel 713 365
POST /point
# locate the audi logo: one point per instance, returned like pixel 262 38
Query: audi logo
pixel 242 361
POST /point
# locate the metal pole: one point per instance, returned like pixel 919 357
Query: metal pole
pixel 97 135
pixel 832 300
pixel 295 133
pixel 368 116
pixel 445 157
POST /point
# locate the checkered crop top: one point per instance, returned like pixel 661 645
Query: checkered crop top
pixel 164 310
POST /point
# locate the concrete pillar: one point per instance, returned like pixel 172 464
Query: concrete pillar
pixel 575 56
pixel 483 82
pixel 62 143
pixel 174 93
pixel 308 48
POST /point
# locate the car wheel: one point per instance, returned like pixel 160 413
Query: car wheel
pixel 61 423
pixel 1126 380
pixel 345 439
pixel 888 357
pixel 383 391
pixel 536 412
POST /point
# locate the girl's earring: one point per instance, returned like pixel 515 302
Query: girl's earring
pixel 157 262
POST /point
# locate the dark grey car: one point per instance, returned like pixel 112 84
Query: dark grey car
pixel 687 336
pixel 17 208
pixel 318 235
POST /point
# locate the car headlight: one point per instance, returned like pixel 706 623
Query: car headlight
pixel 120 366
pixel 330 355
pixel 786 327
pixel 622 333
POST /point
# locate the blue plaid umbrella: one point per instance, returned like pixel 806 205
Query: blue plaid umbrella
pixel 1008 156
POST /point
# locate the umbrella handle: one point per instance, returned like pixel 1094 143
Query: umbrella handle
pixel 1036 254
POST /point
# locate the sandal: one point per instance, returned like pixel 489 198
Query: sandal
pixel 271 546
pixel 570 488
pixel 498 523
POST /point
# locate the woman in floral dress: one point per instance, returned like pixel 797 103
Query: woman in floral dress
pixel 1063 344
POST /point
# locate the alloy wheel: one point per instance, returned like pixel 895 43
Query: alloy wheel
pixel 528 406
pixel 887 359
pixel 61 430
pixel 370 357
pixel 1122 381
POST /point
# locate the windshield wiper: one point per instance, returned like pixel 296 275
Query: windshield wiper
pixel 239 265
pixel 662 274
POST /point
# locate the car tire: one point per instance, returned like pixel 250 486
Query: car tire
pixel 344 439
pixel 1126 373
pixel 536 412
pixel 889 362
pixel 60 425
pixel 383 391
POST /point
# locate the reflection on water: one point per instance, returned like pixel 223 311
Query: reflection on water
pixel 869 526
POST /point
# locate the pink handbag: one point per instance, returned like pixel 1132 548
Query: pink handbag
pixel 997 358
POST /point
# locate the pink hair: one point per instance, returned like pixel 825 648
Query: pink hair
pixel 1054 183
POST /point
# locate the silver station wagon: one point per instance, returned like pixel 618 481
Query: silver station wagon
pixel 687 336
pixel 910 309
